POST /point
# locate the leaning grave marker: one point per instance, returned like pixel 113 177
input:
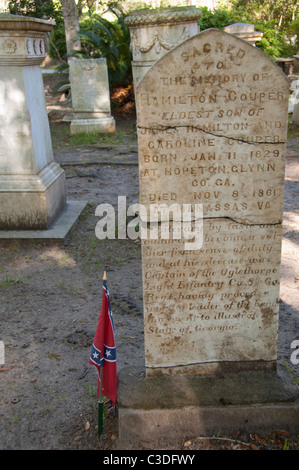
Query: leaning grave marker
pixel 212 127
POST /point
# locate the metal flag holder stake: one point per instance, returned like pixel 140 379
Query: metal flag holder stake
pixel 100 401
pixel 100 406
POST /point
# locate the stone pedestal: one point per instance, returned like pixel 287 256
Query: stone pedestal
pixel 155 32
pixel 32 184
pixel 90 97
pixel 163 409
pixel 244 31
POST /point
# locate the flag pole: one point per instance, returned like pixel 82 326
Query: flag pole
pixel 100 407
pixel 100 401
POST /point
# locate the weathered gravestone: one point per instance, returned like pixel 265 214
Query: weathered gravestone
pixel 90 97
pixel 212 129
pixel 154 32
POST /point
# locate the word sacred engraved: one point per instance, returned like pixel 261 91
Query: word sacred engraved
pixel 230 52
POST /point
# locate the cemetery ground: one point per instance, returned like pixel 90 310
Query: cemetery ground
pixel 51 296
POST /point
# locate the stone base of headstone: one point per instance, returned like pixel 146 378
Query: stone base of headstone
pixel 58 231
pixel 93 126
pixel 32 201
pixel 167 408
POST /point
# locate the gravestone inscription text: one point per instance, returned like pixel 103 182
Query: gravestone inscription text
pixel 212 124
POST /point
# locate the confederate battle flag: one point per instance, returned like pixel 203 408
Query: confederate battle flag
pixel 103 352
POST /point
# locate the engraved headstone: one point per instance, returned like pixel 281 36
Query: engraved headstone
pixel 90 97
pixel 212 127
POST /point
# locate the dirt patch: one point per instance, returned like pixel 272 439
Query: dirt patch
pixel 50 301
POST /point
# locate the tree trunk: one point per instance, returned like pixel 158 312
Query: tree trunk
pixel 71 24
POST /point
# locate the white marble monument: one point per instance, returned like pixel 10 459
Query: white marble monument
pixel 32 184
pixel 155 32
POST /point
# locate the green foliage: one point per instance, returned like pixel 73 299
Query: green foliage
pixel 57 44
pixel 281 12
pixel 100 38
pixel 280 31
pixel 111 40
pixel 217 19
pixel 277 20
pixel 37 9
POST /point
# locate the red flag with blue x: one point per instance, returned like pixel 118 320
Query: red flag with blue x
pixel 103 351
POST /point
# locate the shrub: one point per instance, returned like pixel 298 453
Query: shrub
pixel 275 43
pixel 100 38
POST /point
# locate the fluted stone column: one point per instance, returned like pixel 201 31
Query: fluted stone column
pixel 32 184
pixel 155 32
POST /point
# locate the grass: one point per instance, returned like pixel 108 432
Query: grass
pixel 119 138
pixel 8 280
pixel 61 136
pixel 290 370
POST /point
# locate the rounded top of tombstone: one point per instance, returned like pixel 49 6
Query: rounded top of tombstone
pixel 162 16
pixel 240 27
pixel 24 23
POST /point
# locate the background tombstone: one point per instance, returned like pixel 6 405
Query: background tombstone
pixel 155 32
pixel 295 116
pixel 244 31
pixel 212 129
pixel 32 185
pixel 90 97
